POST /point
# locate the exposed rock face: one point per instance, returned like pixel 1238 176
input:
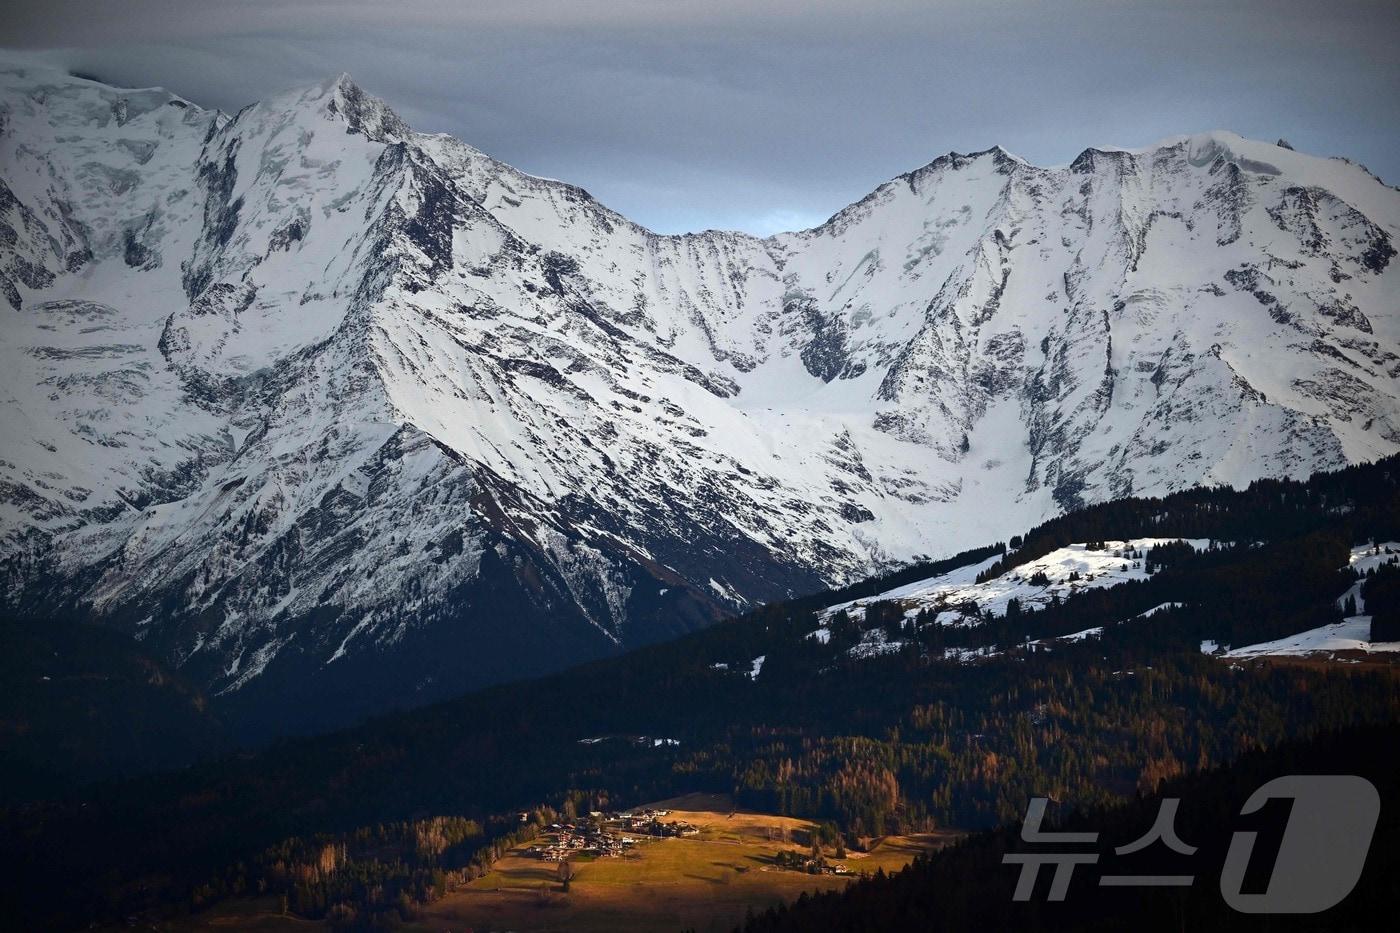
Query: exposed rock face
pixel 336 415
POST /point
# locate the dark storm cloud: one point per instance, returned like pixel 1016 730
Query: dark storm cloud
pixel 769 116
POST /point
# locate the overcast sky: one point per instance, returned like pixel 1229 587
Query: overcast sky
pixel 767 116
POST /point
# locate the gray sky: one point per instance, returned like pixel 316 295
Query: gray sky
pixel 768 116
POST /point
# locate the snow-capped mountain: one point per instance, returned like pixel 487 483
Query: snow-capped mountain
pixel 334 414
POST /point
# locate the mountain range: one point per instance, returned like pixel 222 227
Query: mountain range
pixel 334 416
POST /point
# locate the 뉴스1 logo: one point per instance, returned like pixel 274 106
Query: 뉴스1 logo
pixel 1319 859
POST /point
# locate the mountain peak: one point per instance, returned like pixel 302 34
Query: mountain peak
pixel 368 403
pixel 364 113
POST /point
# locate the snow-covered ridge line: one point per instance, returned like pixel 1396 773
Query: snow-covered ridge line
pixel 956 598
pixel 296 390
pixel 953 601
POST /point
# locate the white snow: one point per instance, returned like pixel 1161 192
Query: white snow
pixel 1080 636
pixel 945 595
pixel 1365 557
pixel 843 399
pixel 965 655
pixel 1351 634
pixel 873 643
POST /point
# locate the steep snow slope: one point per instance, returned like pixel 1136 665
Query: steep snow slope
pixel 331 411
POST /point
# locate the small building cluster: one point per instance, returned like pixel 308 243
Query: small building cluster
pixel 569 839
pixel 649 822
pixel 792 860
pixel 606 835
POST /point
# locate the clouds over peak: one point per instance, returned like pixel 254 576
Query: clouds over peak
pixel 726 113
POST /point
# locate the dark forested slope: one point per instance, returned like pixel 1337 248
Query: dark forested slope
pixel 966 887
pixel 81 703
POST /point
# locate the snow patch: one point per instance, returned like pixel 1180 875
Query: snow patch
pixel 1351 634
pixel 956 597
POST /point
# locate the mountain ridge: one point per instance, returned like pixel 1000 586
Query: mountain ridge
pixel 297 391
